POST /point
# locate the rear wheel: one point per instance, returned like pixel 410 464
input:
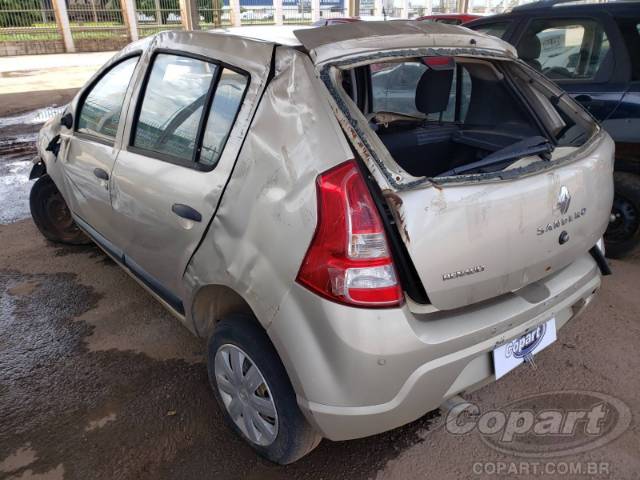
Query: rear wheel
pixel 623 233
pixel 51 214
pixel 254 391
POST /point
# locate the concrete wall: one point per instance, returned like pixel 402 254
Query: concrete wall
pixel 100 45
pixel 31 47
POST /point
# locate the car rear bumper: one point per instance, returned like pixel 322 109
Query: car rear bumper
pixel 411 362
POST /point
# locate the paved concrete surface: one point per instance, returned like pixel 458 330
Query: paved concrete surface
pixel 98 381
pixel 41 73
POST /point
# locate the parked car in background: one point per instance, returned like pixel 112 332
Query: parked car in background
pixel 449 18
pixel 323 22
pixel 352 261
pixel 593 52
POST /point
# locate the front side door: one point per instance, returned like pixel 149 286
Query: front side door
pixel 88 152
pixel 192 108
pixel 582 55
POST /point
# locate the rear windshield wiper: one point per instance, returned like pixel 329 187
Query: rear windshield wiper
pixel 529 146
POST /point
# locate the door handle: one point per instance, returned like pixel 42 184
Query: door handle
pixel 583 98
pixel 185 211
pixel 101 174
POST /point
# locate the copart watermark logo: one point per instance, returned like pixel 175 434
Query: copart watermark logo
pixel 546 425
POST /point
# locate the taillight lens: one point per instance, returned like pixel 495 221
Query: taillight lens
pixel 348 260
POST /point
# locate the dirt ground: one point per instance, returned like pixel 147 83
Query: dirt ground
pixel 98 381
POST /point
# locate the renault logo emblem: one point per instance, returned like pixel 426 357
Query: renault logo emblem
pixel 564 200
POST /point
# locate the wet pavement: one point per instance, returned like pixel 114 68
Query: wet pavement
pixel 98 381
pixel 18 135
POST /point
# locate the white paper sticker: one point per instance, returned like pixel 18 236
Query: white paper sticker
pixel 513 353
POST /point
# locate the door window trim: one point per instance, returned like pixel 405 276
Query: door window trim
pixel 202 124
pixel 85 93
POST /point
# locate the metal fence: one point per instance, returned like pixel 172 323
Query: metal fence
pixel 28 20
pixel 213 14
pixel 154 16
pixel 96 19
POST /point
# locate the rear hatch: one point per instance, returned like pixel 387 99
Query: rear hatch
pixel 472 239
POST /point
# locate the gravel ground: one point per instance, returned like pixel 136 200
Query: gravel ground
pixel 98 381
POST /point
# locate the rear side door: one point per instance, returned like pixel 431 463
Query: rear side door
pixel 624 123
pixel 584 54
pixel 88 152
pixel 192 108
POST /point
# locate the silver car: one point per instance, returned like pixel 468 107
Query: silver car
pixel 356 251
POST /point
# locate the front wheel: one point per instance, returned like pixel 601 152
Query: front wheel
pixel 254 391
pixel 51 214
pixel 623 233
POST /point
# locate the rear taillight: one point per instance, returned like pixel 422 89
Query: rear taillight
pixel 348 260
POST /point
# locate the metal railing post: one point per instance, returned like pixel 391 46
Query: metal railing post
pixel 62 21
pixel 377 8
pixel 278 12
pixel 405 8
pixel 354 8
pixel 189 15
pixel 315 10
pixel 236 20
pixel 128 8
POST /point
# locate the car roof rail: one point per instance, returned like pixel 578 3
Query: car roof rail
pixel 548 4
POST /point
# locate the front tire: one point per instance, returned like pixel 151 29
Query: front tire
pixel 623 233
pixel 254 391
pixel 51 214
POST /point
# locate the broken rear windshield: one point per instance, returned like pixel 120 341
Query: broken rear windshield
pixel 438 114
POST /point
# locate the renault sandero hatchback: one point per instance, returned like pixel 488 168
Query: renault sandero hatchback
pixel 363 221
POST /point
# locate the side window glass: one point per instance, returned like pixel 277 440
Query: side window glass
pixel 394 86
pixel 493 29
pixel 564 48
pixel 226 103
pixel 172 107
pixel 100 111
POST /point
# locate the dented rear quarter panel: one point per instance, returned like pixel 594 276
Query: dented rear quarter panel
pixel 267 215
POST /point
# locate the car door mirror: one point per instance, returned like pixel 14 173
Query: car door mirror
pixel 67 120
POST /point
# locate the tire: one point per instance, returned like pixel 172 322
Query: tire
pixel 623 233
pixel 51 214
pixel 293 437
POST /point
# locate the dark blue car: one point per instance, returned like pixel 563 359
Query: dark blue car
pixel 593 52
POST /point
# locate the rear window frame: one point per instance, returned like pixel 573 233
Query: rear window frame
pixel 194 163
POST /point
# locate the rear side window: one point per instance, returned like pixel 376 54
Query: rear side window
pixel 225 107
pixel 446 98
pixel 565 49
pixel 100 111
pixel 188 110
pixel 172 106
pixel 564 118
pixel 494 29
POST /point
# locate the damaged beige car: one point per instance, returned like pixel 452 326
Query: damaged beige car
pixel 362 220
